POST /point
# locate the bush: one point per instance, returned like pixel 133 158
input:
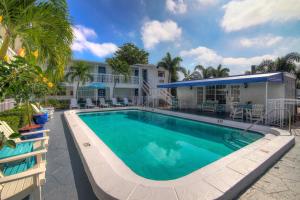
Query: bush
pixel 16 118
pixel 57 104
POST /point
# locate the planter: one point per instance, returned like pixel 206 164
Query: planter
pixel 31 128
pixel 40 118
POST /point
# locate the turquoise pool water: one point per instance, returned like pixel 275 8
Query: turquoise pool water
pixel 162 147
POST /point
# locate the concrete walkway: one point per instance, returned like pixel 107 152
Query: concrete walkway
pixel 282 181
pixel 66 178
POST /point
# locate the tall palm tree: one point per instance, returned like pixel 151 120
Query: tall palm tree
pixel 79 71
pixel 220 72
pixel 42 27
pixel 191 75
pixel 285 64
pixel 173 66
pixel 205 72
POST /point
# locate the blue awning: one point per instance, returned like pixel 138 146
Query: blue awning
pixel 255 78
pixel 96 85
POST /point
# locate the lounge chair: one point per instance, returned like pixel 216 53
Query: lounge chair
pixel 256 113
pixel 74 104
pixel 89 103
pixel 209 106
pixel 50 112
pixel 103 104
pixel 115 103
pixel 236 112
pixel 22 169
pixel 126 102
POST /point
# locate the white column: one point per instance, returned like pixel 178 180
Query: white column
pixel 266 97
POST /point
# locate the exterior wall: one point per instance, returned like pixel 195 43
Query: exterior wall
pixel 124 88
pixel 187 97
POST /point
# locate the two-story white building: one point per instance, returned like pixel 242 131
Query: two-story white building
pixel 142 82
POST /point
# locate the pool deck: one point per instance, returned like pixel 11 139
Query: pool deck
pixel 66 178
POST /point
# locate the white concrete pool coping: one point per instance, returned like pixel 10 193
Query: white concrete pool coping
pixel 225 178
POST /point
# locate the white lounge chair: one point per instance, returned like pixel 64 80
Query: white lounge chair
pixel 114 102
pixel 74 104
pixel 126 102
pixel 103 104
pixel 236 112
pixel 89 103
pixel 256 113
pixel 50 111
pixel 17 181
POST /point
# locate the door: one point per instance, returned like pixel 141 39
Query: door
pixel 101 74
pixel 145 75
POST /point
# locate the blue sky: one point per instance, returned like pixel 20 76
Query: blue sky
pixel 208 32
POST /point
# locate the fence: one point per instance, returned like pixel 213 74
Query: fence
pixel 280 117
pixel 7 104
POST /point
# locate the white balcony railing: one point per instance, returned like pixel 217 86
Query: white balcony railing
pixel 110 78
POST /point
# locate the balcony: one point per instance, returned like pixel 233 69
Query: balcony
pixel 120 79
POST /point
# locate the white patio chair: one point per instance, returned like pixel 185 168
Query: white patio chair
pixel 126 102
pixel 89 103
pixel 74 104
pixel 39 109
pixel 236 112
pixel 103 104
pixel 16 180
pixel 256 113
pixel 114 102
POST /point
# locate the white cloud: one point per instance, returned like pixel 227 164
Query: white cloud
pixel 209 57
pixel 206 2
pixel 154 32
pixel 260 41
pixel 176 6
pixel 202 55
pixel 81 42
pixel 241 14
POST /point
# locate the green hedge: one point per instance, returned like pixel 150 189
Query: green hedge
pixel 16 118
pixel 58 104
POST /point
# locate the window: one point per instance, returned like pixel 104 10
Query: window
pixel 101 92
pixel 161 74
pixel 235 93
pixel 221 94
pixel 136 72
pixel 199 95
pixel 136 92
pixel 210 93
pixel 101 70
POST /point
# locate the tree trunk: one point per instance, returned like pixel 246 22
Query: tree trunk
pixel 4 47
pixel 28 112
pixel 115 84
pixel 77 90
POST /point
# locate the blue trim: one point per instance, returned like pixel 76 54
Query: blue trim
pixel 273 77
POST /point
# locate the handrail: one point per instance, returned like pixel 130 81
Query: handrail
pixel 265 117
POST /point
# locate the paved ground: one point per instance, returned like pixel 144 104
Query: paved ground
pixel 282 181
pixel 66 179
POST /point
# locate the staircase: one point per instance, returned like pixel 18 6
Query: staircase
pixel 157 93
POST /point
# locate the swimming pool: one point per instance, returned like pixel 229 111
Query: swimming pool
pixel 162 147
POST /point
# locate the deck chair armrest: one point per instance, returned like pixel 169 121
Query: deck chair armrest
pixel 22 156
pixel 34 140
pixel 31 172
pixel 36 132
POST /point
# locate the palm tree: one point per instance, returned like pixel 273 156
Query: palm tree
pixel 173 66
pixel 220 72
pixel 190 75
pixel 42 27
pixel 205 72
pixel 283 64
pixel 79 71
